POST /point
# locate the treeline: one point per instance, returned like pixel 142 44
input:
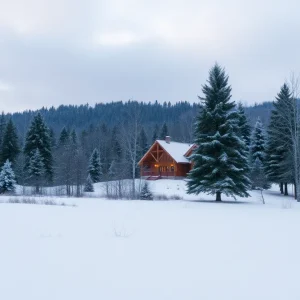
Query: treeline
pixel 83 117
pixel 75 146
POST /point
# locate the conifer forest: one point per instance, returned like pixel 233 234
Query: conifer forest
pixel 238 147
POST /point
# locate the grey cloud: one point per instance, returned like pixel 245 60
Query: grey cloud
pixel 167 57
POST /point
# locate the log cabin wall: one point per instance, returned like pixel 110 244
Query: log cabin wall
pixel 183 169
pixel 159 162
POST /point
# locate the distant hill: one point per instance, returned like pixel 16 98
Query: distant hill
pixel 84 117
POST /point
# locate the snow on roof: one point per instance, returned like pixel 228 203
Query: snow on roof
pixel 176 150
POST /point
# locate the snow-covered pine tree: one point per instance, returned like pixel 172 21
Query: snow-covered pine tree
pixel 89 187
pixel 164 131
pixel 146 193
pixel 220 161
pixel 279 148
pixel 36 169
pixel 258 142
pixel 245 129
pixel 7 178
pixel 10 144
pixel 258 156
pixel 38 137
pixel 94 168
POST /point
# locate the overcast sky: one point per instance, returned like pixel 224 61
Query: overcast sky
pixel 56 52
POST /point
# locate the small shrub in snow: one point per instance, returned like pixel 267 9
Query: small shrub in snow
pixel 7 178
pixel 146 193
pixel 29 201
pixel 161 197
pixel 50 202
pixel 89 187
pixel 14 200
pixel 175 197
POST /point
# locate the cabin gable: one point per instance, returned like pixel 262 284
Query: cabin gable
pixel 158 162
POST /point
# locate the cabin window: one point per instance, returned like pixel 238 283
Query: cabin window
pixel 163 169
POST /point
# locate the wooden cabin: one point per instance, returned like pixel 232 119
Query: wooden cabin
pixel 166 159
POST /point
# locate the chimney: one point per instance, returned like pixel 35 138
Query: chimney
pixel 168 139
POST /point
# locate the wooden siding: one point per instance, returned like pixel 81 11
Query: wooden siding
pixel 158 162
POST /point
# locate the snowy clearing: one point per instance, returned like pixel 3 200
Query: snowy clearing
pixel 151 250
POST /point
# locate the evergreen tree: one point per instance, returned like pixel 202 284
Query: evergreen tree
pixel 258 156
pixel 245 129
pixel 36 169
pixel 10 145
pixel 89 187
pixel 7 178
pixel 38 138
pixel 64 137
pixel 146 193
pixel 220 161
pixel 258 142
pixel 164 131
pixel 279 164
pixel 94 168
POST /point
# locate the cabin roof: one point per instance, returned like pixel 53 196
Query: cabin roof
pixel 176 150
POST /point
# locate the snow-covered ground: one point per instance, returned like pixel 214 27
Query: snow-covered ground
pixel 151 250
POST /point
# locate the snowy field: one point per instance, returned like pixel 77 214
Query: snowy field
pixel 151 250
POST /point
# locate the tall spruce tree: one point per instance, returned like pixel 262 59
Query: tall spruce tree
pixel 94 168
pixel 220 161
pixel 279 147
pixel 38 137
pixel 10 144
pixel 258 143
pixel 36 169
pixel 258 157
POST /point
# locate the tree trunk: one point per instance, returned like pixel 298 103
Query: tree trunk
pixel 281 187
pixel 286 189
pixel 218 196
